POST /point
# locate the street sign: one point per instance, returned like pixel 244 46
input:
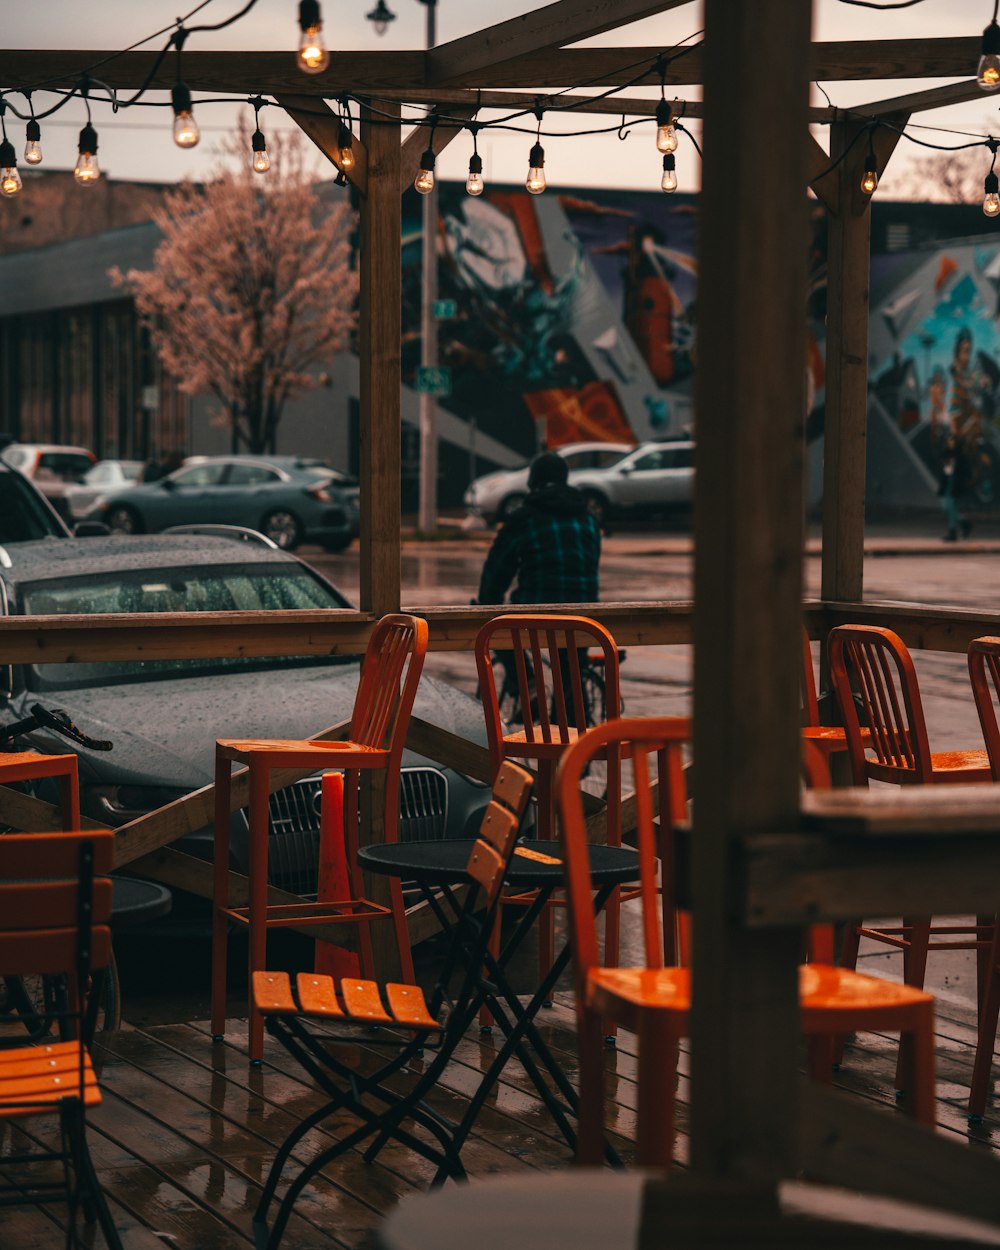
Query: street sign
pixel 432 381
pixel 443 309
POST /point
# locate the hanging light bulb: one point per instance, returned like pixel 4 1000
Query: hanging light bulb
pixel 535 182
pixel 186 132
pixel 869 179
pixel 424 181
pixel 669 180
pixel 988 69
pixel 991 198
pixel 261 162
pixel 10 179
pixel 666 135
pixel 345 145
pixel 87 171
pixel 312 56
pixel 474 183
pixel 32 146
pixel 380 17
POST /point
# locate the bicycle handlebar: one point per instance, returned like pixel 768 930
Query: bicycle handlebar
pixel 56 719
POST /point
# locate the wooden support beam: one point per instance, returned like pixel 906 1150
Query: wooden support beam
pixel 822 179
pixel 379 333
pixel 922 101
pixel 748 600
pixel 552 26
pixel 316 119
pixel 417 143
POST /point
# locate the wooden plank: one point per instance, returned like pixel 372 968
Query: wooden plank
pixel 316 119
pixel 552 26
pixel 378 333
pixel 822 180
pixel 923 101
pixel 417 143
pixel 748 593
pixel 907 811
pixel 921 626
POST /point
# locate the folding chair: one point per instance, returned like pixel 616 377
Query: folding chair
pixel 300 1016
pixel 55 909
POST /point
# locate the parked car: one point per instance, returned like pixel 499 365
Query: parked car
pixel 496 495
pixel 106 475
pixel 25 514
pixel 290 499
pixel 165 715
pixel 655 479
pixel 51 467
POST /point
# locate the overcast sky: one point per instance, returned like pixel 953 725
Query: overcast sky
pixel 138 144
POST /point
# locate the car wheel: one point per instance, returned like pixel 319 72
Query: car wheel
pixel 124 520
pixel 597 506
pixel 509 506
pixel 283 529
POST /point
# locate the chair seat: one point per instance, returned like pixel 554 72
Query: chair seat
pixel 25 765
pixel 968 765
pixel 41 1076
pixel 307 748
pixel 359 1002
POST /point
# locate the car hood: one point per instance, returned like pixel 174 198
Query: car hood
pixel 164 732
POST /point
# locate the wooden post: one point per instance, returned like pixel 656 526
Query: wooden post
pixel 379 333
pixel 748 558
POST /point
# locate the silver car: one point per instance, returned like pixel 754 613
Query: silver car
pixel 104 476
pixel 496 495
pixel 654 479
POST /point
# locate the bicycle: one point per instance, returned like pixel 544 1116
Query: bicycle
pixel 591 680
pixel 36 1001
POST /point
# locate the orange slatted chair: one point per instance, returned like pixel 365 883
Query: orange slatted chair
pixel 308 1016
pixel 55 911
pixel 653 1000
pixel 390 673
pixel 830 739
pixel 873 665
pixel 984 673
pixel 30 766
pixel 543 654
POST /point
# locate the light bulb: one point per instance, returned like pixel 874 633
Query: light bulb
pixel 988 69
pixel 345 142
pixel 186 132
pixel 10 179
pixel 424 181
pixel 669 180
pixel 474 183
pixel 666 135
pixel 87 170
pixel 869 180
pixel 261 162
pixel 312 56
pixel 991 198
pixel 535 182
pixel 32 146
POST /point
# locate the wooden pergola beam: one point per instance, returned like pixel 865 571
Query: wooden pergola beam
pixel 554 26
pixel 368 73
pixel 923 101
pixel 324 131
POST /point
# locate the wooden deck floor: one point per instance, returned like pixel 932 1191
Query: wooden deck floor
pixel 186 1132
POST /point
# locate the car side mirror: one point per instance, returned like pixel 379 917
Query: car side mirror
pixel 168 483
pixel 90 529
pixel 627 469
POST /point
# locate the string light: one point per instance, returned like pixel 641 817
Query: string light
pixel 474 183
pixel 988 69
pixel 666 135
pixel 87 170
pixel 380 17
pixel 32 136
pixel 669 180
pixel 869 179
pixel 312 56
pixel 991 187
pixel 186 132
pixel 424 181
pixel 10 179
pixel 535 182
pixel 345 145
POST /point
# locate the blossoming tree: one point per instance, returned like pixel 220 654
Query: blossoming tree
pixel 252 288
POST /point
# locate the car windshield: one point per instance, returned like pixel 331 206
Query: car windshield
pixel 231 588
pixel 23 516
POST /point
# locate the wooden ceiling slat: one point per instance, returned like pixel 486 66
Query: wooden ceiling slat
pixel 553 26
pixel 247 73
pixel 922 101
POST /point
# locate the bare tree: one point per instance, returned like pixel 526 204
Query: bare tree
pixel 945 177
pixel 251 287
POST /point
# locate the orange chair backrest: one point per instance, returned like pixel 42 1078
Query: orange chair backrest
pixel 390 674
pixel 40 876
pixel 546 663
pixel 654 745
pixel 874 663
pixel 984 673
pixel 494 846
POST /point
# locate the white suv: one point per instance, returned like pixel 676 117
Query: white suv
pixel 495 496
pixel 655 479
pixel 51 468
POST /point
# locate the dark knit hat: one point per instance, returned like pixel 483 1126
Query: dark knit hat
pixel 548 469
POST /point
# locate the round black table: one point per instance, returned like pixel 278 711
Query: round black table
pixel 135 901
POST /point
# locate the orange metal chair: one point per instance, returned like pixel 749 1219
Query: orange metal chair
pixel 653 1000
pixel 543 653
pixel 55 911
pixel 390 673
pixel 874 664
pixel 30 766
pixel 830 739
